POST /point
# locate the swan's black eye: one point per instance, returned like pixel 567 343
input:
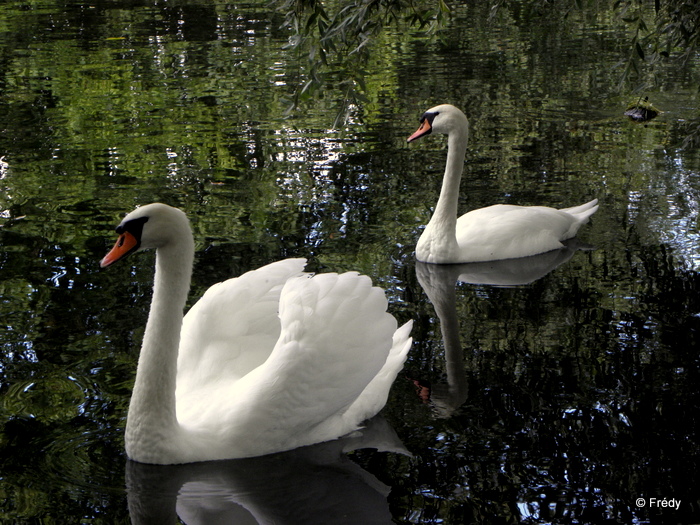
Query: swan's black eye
pixel 429 117
pixel 134 227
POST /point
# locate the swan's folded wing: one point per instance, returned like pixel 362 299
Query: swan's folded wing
pixel 232 329
pixel 336 336
pixel 503 231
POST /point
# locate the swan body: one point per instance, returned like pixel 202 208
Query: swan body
pixel 496 232
pixel 266 362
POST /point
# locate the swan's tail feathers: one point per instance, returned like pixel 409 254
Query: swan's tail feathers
pixel 581 214
pixel 402 342
pixel 584 211
pixel 403 335
pixel 375 395
pixel 342 348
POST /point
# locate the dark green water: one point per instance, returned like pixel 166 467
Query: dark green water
pixel 564 400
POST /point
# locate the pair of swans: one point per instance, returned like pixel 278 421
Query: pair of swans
pixel 278 359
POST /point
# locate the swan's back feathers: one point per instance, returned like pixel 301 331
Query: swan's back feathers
pixel 504 231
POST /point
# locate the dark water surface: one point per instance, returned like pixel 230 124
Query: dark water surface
pixel 570 396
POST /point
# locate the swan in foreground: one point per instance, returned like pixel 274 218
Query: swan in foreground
pixel 496 232
pixel 270 361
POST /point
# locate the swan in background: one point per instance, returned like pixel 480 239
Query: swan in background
pixel 496 232
pixel 270 361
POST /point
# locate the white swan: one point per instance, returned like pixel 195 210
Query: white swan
pixel 492 233
pixel 269 361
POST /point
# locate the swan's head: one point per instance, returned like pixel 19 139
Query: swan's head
pixel 444 118
pixel 151 226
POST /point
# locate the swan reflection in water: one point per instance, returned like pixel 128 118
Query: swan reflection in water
pixel 312 485
pixel 438 282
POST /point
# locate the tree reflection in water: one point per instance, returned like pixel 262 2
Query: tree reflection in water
pixel 576 394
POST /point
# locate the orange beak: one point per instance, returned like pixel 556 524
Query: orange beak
pixel 126 243
pixel 424 129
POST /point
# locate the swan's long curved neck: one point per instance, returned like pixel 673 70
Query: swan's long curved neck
pixel 152 413
pixel 446 208
pixel 439 237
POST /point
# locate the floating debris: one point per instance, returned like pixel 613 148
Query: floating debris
pixel 642 111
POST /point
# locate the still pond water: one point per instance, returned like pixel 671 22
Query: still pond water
pixel 570 396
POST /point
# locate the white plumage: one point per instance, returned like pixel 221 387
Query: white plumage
pixel 269 361
pixel 491 233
